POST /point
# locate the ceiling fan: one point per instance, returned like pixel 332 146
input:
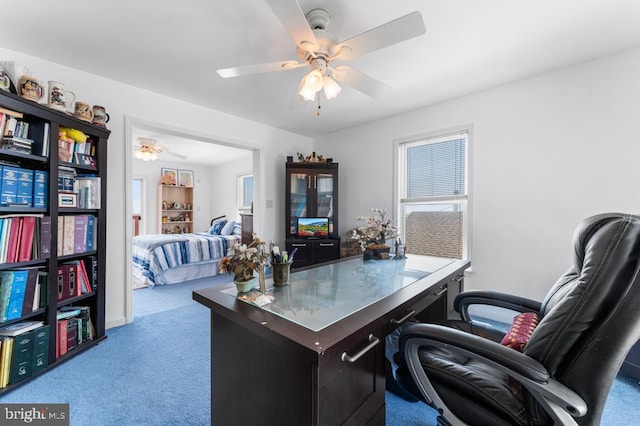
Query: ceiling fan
pixel 148 150
pixel 319 49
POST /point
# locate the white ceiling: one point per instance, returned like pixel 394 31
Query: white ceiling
pixel 175 47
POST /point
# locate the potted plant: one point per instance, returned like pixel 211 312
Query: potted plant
pixel 373 236
pixel 242 260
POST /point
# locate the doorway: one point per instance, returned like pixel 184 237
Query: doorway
pixel 212 196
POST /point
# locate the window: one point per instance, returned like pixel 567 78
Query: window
pixel 433 195
pixel 245 193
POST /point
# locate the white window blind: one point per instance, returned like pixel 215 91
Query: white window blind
pixel 432 188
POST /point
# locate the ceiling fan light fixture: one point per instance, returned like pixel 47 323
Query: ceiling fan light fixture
pixel 313 82
pixel 331 88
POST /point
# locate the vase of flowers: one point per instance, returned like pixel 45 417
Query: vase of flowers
pixel 373 236
pixel 242 260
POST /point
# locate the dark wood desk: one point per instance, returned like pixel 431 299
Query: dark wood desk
pixel 311 357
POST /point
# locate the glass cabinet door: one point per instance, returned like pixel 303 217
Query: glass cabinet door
pixel 323 185
pixel 300 186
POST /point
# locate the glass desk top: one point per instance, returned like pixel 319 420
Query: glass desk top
pixel 318 297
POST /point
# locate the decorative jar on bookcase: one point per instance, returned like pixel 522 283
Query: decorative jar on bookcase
pixel 52 238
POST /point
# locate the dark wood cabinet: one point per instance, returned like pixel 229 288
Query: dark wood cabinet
pixel 82 204
pixel 246 221
pixel 310 252
pixel 312 192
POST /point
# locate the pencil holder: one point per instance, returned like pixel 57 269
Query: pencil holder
pixel 281 274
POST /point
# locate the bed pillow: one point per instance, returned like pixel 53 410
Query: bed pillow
pixel 217 226
pixel 228 228
pixel 237 229
pixel 521 329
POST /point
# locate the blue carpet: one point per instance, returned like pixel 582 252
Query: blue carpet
pixel 156 371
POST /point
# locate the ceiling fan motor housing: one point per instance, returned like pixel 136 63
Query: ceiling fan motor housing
pixel 326 40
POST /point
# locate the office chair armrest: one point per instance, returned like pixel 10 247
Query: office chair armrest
pixel 559 401
pixel 472 345
pixel 493 298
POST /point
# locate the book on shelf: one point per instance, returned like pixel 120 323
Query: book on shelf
pixel 15 229
pixel 21 357
pixel 40 356
pixel 39 133
pixel 45 237
pixel 68 234
pixel 26 238
pixel 74 327
pixel 5 361
pixel 61 337
pixel 25 187
pixel 20 327
pixel 76 234
pixel 40 188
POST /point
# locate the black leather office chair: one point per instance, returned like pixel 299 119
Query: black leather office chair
pixel 588 322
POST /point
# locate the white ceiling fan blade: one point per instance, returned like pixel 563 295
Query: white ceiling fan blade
pixel 359 81
pixel 396 31
pixel 175 154
pixel 293 19
pixel 260 68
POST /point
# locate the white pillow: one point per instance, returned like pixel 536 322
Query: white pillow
pixel 227 228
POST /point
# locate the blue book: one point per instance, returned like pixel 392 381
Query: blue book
pixel 40 188
pixel 9 185
pixel 91 232
pixel 16 297
pixel 25 187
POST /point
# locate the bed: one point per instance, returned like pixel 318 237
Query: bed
pixel 160 259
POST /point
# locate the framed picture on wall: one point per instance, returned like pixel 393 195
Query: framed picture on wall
pixel 185 178
pixel 169 176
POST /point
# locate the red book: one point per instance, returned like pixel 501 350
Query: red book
pixel 61 338
pixel 82 273
pixel 26 238
pixel 14 236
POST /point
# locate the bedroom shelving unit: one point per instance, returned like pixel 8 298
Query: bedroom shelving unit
pixel 49 121
pixel 311 191
pixel 175 209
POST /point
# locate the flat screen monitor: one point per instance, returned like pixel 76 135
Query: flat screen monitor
pixel 313 227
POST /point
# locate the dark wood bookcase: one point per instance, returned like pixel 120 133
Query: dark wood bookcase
pixel 311 191
pixel 37 113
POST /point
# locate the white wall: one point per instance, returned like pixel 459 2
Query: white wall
pixel 224 200
pixel 548 151
pixel 124 101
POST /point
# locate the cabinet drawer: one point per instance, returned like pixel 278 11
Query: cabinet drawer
pixel 357 369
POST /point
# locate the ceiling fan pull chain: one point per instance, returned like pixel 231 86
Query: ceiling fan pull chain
pixel 318 111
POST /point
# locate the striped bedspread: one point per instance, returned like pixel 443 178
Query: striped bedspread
pixel 154 254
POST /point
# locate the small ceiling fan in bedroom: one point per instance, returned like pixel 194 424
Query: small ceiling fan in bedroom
pixel 148 150
pixel 319 49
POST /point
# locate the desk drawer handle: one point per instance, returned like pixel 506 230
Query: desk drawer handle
pixel 404 318
pixel 458 279
pixel 441 292
pixel 326 244
pixel 374 341
pixel 298 245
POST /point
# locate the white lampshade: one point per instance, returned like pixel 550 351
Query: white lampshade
pixel 331 88
pixel 307 93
